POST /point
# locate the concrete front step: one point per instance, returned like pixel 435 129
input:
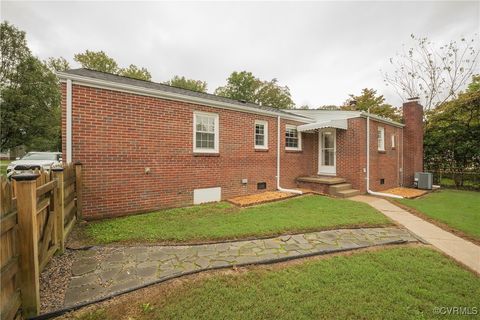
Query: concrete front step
pixel 339 187
pixel 346 193
pixel 322 180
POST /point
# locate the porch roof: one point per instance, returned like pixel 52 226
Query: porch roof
pixel 334 123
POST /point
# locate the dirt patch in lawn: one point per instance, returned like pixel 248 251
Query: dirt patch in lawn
pixel 259 198
pixel 408 193
pixel 134 305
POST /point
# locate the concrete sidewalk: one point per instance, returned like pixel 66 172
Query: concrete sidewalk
pixel 459 249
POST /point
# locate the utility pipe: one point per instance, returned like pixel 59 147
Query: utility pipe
pixel 380 194
pixel 278 162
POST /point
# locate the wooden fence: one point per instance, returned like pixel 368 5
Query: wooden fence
pixel 38 210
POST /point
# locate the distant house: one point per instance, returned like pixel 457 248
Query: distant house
pixel 146 146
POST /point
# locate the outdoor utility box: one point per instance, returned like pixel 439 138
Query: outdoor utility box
pixel 423 180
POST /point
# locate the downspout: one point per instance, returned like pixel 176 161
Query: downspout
pixel 278 163
pixel 380 194
pixel 69 121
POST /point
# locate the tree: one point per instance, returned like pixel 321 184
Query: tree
pixel 137 73
pixel 97 60
pixel 14 50
pixel 58 64
pixel 189 84
pixel 244 86
pixel 240 86
pixel 451 137
pixel 369 100
pixel 434 74
pixel 30 107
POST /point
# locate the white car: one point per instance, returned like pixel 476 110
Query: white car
pixel 35 160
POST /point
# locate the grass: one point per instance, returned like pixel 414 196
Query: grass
pixel 225 221
pixel 396 283
pixel 457 209
pixel 3 167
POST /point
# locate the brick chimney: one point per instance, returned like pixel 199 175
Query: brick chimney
pixel 412 140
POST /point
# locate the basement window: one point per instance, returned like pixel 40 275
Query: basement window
pixel 261 186
pixel 382 181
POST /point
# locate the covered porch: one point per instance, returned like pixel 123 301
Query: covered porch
pixel 326 180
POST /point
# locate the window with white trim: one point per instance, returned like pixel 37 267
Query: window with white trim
pixel 381 139
pixel 205 132
pixel 261 134
pixel 293 138
pixel 393 141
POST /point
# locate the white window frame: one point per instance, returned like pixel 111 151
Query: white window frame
pixel 299 135
pixel 393 141
pixel 216 132
pixel 381 138
pixel 265 134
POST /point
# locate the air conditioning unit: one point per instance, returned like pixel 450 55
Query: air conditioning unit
pixel 423 180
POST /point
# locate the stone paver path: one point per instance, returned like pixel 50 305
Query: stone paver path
pixel 459 249
pixel 100 272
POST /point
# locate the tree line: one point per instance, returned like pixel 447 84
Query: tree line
pixel 443 77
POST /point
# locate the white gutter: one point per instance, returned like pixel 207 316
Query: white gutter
pixel 380 194
pixel 278 163
pixel 69 121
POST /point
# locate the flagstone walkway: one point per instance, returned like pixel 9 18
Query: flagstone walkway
pixel 103 271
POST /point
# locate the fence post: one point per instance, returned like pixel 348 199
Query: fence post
pixel 59 209
pixel 79 189
pixel 26 193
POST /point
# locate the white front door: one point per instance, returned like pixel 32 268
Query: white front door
pixel 327 151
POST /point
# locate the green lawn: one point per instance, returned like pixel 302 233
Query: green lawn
pixel 3 166
pixel 395 283
pixel 458 209
pixel 225 221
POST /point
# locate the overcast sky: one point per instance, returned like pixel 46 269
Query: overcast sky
pixel 322 50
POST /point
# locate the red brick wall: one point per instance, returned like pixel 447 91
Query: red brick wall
pixel 385 164
pixel 117 135
pixel 352 159
pixel 413 150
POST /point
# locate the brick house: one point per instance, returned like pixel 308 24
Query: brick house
pixel 146 146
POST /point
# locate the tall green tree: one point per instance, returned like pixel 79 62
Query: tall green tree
pixel 58 64
pixel 30 103
pixel 135 72
pixel 369 99
pixel 100 61
pixel 97 60
pixel 452 134
pixel 189 84
pixel 245 86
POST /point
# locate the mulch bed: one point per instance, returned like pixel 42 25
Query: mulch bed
pixel 408 193
pixel 259 198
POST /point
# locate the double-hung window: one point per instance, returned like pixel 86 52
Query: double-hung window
pixel 381 139
pixel 205 132
pixel 293 139
pixel 261 134
pixel 393 141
